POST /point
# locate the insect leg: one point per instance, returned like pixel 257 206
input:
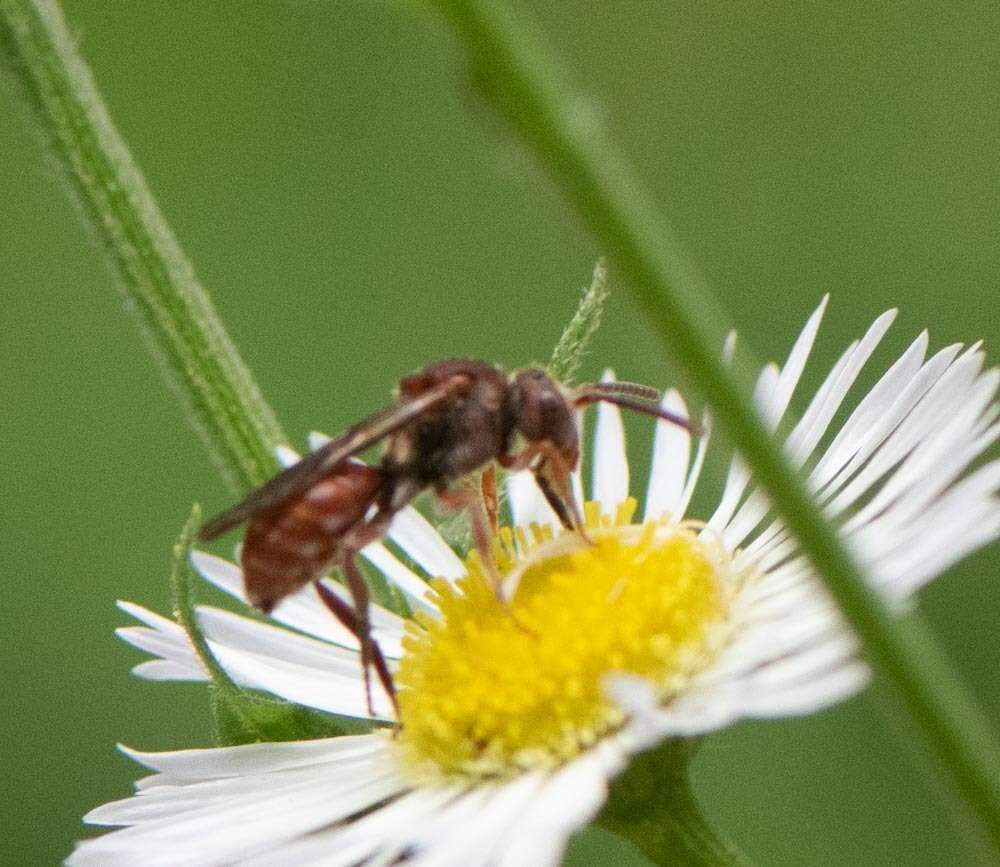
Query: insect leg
pixel 361 535
pixel 490 500
pixel 458 499
pixel 468 499
pixel 347 615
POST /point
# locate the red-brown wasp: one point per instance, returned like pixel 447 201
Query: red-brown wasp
pixel 451 419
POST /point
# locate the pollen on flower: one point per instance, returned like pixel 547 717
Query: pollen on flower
pixel 489 689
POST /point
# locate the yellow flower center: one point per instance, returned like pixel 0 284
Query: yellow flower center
pixel 489 689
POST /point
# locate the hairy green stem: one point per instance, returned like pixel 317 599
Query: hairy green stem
pixel 576 337
pixel 182 327
pixel 514 68
pixel 183 602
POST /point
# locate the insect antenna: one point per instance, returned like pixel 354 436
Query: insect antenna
pixel 633 389
pixel 599 393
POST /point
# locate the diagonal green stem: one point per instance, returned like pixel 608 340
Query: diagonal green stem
pixel 183 330
pixel 514 68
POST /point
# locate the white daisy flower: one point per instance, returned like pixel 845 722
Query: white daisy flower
pixel 511 727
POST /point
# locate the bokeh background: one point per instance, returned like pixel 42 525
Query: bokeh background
pixel 356 211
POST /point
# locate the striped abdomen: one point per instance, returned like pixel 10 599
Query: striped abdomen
pixel 295 542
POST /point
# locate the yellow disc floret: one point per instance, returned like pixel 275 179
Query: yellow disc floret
pixel 490 688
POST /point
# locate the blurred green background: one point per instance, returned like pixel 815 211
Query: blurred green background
pixel 356 212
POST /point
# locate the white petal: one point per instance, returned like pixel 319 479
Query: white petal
pixel 329 691
pixel 772 395
pixel 610 482
pixel 167 670
pixel 287 456
pixel 264 639
pixel 303 610
pixel 527 503
pixel 260 656
pixel 795 364
pixel 383 831
pixel 953 529
pixel 295 611
pixel 699 460
pixel 430 839
pixel 729 348
pixel 207 764
pixel 880 411
pixel 805 665
pixel 317 440
pixel 567 802
pixel 671 456
pixel 830 396
pixel 641 702
pixel 576 476
pixel 813 424
pixel 169 798
pixel 424 545
pixel 940 401
pixel 416 589
pixel 811 696
pixel 757 646
pixel 739 474
pixel 474 835
pixel 695 713
pixel 934 463
pixel 228 830
pixel 162 638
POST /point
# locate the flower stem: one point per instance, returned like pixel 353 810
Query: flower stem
pixel 172 308
pixel 513 67
pixel 651 805
pixel 184 610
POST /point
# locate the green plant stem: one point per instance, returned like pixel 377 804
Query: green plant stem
pixel 184 610
pixel 652 806
pixel 514 68
pixel 182 327
pixel 576 337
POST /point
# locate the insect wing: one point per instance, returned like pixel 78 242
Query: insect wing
pixel 318 463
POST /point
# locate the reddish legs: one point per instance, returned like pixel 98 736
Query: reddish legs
pixel 371 653
pixel 357 619
pixel 491 503
pixel 455 500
